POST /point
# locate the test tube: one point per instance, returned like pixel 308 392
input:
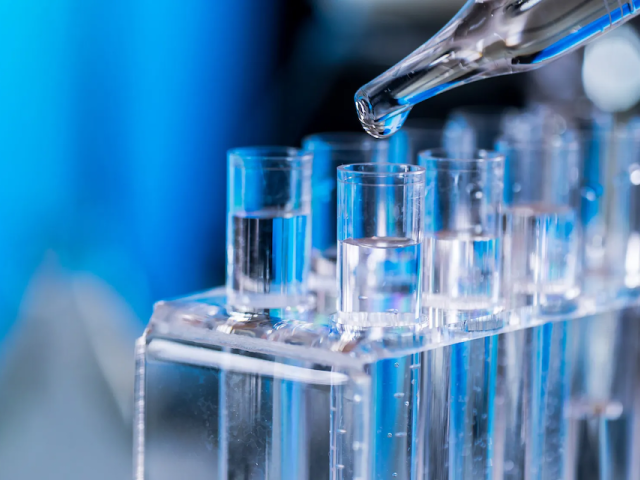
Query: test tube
pixel 542 231
pixel 331 150
pixel 626 187
pixel 610 196
pixel 268 226
pixel 463 248
pixel 380 226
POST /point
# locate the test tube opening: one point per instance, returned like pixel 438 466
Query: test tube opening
pixel 463 235
pixel 268 226
pixel 380 225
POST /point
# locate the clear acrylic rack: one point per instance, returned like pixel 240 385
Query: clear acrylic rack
pixel 263 379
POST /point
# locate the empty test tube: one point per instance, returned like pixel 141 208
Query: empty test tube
pixel 462 256
pixel 542 232
pixel 268 226
pixel 380 225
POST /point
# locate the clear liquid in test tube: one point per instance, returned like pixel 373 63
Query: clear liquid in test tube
pixel 268 240
pixel 463 244
pixel 329 151
pixel 380 224
pixel 542 230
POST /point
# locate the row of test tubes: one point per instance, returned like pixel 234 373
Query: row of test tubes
pixel 427 226
pixel 420 239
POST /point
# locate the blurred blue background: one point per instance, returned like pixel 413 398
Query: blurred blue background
pixel 114 122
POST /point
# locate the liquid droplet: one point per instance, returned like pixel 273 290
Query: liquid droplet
pixel 379 127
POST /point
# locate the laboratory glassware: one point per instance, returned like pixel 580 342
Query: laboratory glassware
pixel 485 39
pixel 268 224
pixel 250 381
pixel 541 218
pixel 609 200
pixel 329 151
pixel 180 358
pixel 463 235
pixel 380 227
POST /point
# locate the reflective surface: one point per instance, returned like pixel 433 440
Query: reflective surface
pixel 485 39
pixel 224 395
pixel 381 217
pixel 463 235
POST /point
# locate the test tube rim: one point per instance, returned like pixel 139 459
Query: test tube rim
pixel 268 157
pixel 436 159
pixel 410 174
pixel 343 142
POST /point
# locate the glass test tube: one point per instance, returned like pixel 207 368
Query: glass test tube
pixel 380 225
pixel 463 248
pixel 542 231
pixel 268 226
pixel 626 237
pixel 331 150
pixel 609 202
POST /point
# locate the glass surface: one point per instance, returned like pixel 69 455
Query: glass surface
pixel 610 199
pixel 463 236
pixel 548 396
pixel 485 39
pixel 542 228
pixel 268 238
pixel 271 388
pixel 329 151
pixel 381 218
